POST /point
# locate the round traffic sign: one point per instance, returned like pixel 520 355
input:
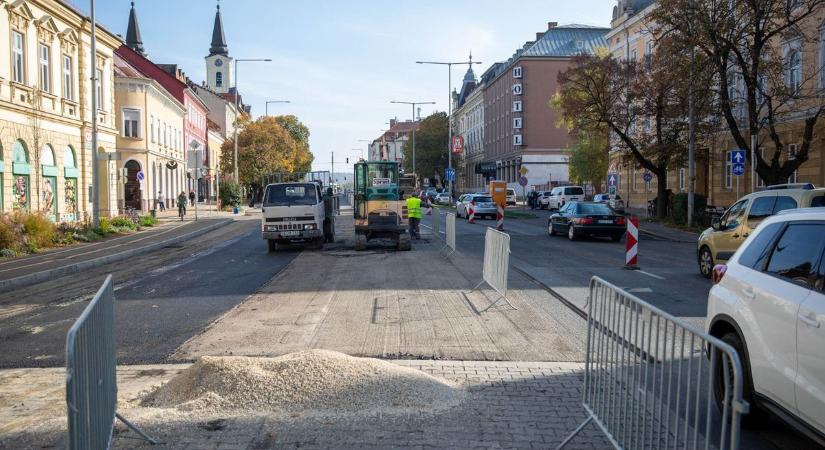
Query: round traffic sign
pixel 140 176
pixel 647 177
pixel 522 181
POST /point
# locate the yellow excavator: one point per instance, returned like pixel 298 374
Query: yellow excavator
pixel 380 210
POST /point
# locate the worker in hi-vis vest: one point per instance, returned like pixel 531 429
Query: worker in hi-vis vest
pixel 414 214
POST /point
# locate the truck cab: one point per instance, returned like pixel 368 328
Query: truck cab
pixel 294 213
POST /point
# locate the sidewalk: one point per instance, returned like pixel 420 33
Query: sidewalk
pixel 27 270
pixel 661 231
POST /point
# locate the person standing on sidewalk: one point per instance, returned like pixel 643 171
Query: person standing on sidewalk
pixel 182 205
pixel 191 198
pixel 161 202
pixel 414 214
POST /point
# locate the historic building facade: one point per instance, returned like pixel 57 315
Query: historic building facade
pixel 390 145
pixel 468 122
pixel 45 110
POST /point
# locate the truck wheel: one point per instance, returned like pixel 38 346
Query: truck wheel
pixel 404 242
pixel 272 245
pixel 360 242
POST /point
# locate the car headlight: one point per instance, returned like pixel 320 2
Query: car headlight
pixel 309 226
pixel 270 227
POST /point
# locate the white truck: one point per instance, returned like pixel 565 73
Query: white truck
pixel 296 213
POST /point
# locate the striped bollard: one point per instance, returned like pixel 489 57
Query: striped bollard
pixel 472 214
pixel 632 244
pixel 499 217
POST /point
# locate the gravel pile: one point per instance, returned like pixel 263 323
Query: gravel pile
pixel 318 381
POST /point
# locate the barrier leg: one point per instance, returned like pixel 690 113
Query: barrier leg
pixel 499 218
pixel 136 429
pixel 472 215
pixel 575 432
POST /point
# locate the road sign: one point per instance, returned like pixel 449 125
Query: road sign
pixel 458 144
pixel 611 190
pixel 737 156
pixel 522 181
pixel 140 176
pixel 737 169
pixel 647 177
pixel 449 174
pixel 612 179
pixel 523 170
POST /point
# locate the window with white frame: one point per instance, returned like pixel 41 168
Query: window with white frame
pixel 794 71
pixel 517 106
pixel 633 55
pixel 633 178
pixel 152 127
pixel 68 78
pixel 728 176
pixel 131 123
pixel 822 56
pixel 45 68
pixel 164 134
pixel 517 122
pixel 99 89
pixel 682 179
pixel 18 57
pixel 792 152
pixel 218 79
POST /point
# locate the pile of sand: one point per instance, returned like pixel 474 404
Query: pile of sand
pixel 310 381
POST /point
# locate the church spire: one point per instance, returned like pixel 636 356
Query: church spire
pixel 133 39
pixel 219 46
pixel 470 76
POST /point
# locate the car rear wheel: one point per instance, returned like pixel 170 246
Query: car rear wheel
pixel 705 262
pixel 571 233
pixel 756 417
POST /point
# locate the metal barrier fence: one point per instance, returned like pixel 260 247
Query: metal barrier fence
pixel 91 378
pixel 652 380
pixel 436 227
pixel 496 264
pixel 449 237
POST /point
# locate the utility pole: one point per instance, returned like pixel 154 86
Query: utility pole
pixel 95 180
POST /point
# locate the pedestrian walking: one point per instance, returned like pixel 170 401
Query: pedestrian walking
pixel 182 205
pixel 414 214
pixel 191 198
pixel 161 202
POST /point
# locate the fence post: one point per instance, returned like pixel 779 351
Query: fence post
pixel 496 267
pixel 449 236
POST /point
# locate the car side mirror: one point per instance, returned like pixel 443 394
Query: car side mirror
pixel 716 223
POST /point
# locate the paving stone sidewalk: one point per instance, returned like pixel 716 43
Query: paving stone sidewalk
pixel 510 405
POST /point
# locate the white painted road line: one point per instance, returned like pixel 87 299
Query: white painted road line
pixel 653 275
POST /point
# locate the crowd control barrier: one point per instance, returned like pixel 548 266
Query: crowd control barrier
pixel 91 378
pixel 652 380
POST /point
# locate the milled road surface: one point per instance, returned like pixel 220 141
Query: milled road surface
pixel 163 298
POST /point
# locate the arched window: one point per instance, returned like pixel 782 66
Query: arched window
pixel 218 79
pixel 47 156
pixel 794 71
pixel 69 161
pixel 19 152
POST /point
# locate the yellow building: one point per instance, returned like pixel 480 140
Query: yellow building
pixel 150 141
pixel 213 161
pixel 45 108
pixel 631 38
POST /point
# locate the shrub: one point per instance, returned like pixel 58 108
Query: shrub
pixel 231 194
pixel 39 231
pixel 148 221
pixel 7 253
pixel 679 212
pixel 7 239
pixel 123 223
pixel 104 227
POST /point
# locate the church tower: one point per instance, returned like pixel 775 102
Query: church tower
pixel 133 39
pixel 218 63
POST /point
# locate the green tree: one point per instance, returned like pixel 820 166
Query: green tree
pixel 265 146
pixel 430 147
pixel 588 159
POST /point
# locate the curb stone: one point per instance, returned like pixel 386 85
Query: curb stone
pixel 666 238
pixel 27 280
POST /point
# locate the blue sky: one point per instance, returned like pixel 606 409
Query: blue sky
pixel 341 62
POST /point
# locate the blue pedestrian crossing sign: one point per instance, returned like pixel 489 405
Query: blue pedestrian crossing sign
pixel 738 169
pixel 449 174
pixel 737 156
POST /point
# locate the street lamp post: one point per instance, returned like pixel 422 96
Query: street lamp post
pixel 413 104
pixel 237 106
pixel 274 101
pixel 95 100
pixel 450 106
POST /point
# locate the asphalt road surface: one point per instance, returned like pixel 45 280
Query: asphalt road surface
pixel 163 298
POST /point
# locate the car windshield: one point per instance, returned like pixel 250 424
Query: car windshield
pixel 594 209
pixel 290 195
pixel 573 191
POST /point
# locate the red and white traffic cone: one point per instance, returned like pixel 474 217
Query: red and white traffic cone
pixel 472 214
pixel 632 244
pixel 499 218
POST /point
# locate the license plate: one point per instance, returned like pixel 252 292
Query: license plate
pixel 290 233
pixel 606 221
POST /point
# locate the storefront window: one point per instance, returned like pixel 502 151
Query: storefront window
pixel 20 174
pixel 70 173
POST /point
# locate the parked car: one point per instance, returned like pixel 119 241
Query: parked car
pixel 768 303
pixel 543 199
pixel 586 218
pixel 718 243
pixel 442 198
pixel 613 201
pixel 482 205
pixel 561 195
pixel 511 196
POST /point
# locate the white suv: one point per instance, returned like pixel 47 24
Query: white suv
pixel 561 195
pixel 768 302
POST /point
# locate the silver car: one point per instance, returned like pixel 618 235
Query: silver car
pixel 442 198
pixel 482 205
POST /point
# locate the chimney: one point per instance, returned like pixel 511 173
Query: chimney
pixel 551 25
pixel 392 123
pixel 539 35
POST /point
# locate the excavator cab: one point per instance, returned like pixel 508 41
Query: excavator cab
pixel 379 211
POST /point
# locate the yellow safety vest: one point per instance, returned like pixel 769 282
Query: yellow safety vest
pixel 414 207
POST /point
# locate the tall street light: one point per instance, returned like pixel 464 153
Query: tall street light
pixel 274 101
pixel 237 106
pixel 450 106
pixel 414 104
